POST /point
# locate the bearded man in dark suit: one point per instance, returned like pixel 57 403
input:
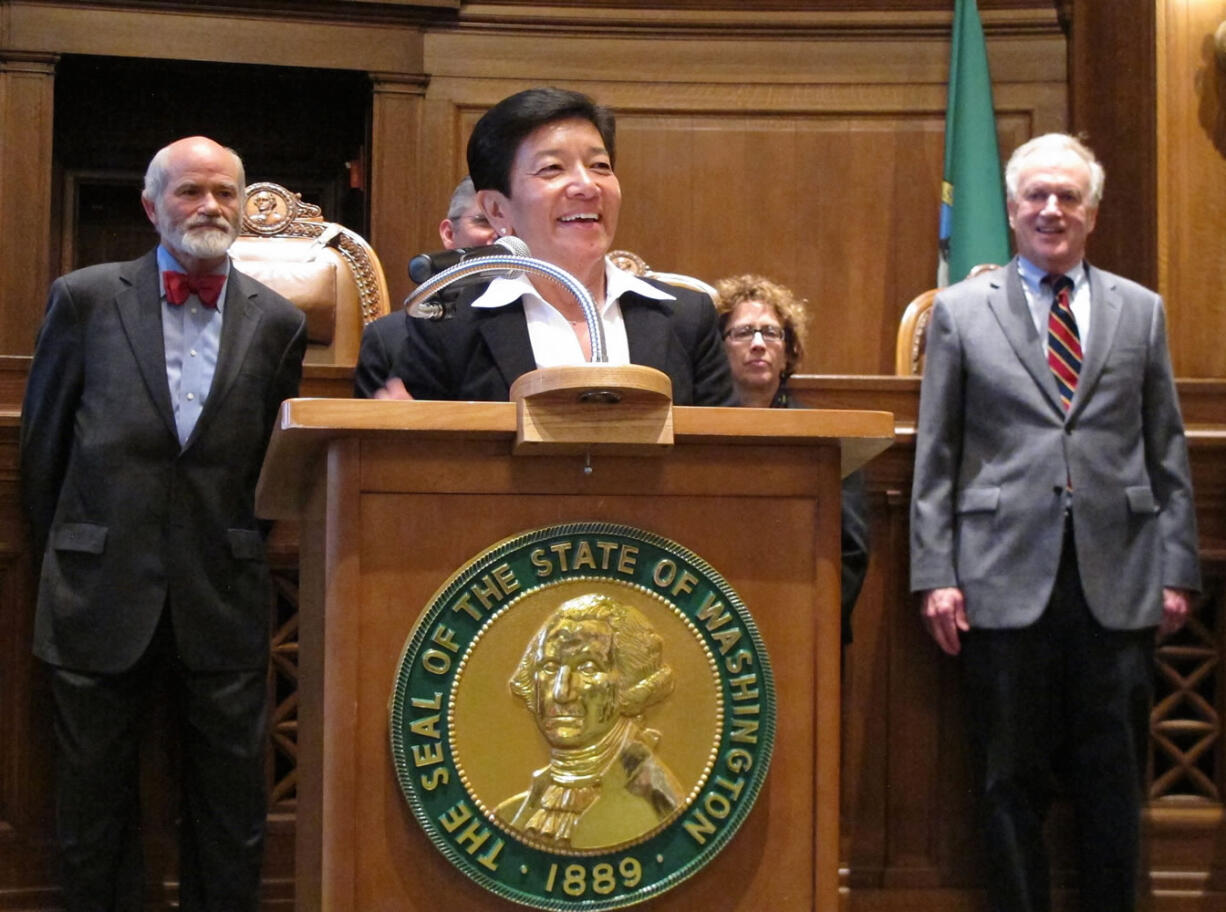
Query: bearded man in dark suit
pixel 152 393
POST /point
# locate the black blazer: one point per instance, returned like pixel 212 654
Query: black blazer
pixel 478 353
pixel 381 342
pixel 128 521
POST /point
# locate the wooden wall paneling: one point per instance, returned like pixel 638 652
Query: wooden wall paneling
pixel 778 17
pixel 792 202
pixel 823 547
pixel 1190 136
pixel 814 161
pixel 1145 87
pixel 266 36
pixel 13 370
pixel 1112 95
pixel 864 797
pixel 397 171
pixel 914 778
pixel 25 742
pixel 730 8
pixel 26 104
pixel 329 640
pixel 442 146
pixel 33 34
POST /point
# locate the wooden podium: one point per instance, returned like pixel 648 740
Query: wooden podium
pixel 393 497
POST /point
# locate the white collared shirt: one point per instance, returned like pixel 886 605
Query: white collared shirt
pixel 554 342
pixel 1039 298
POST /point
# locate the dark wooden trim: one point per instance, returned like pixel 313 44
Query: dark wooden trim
pixel 1113 102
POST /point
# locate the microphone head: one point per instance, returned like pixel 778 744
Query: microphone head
pixel 514 246
pixel 425 265
pixel 421 267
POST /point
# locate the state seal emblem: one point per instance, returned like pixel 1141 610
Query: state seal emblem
pixel 582 716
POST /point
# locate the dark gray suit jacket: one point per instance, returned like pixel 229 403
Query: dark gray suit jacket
pixel 997 460
pixel 126 520
pixel 478 353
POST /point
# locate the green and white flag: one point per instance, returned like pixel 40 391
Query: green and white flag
pixel 974 228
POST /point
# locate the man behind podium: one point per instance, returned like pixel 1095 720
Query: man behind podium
pixel 1053 528
pixel 465 226
pixel 151 397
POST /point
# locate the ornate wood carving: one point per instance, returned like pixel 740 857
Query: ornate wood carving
pixel 283 687
pixel 273 211
pixel 1186 724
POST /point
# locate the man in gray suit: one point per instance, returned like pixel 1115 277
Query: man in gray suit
pixel 150 400
pixel 1052 528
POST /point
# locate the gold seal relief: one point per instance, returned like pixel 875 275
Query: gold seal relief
pixel 591 670
pixel 591 697
pixel 582 716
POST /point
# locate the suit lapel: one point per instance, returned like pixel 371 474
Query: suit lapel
pixel 647 330
pixel 239 320
pixel 140 313
pixel 1008 303
pixel 505 332
pixel 1106 308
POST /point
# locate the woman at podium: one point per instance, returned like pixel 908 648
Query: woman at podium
pixel 542 163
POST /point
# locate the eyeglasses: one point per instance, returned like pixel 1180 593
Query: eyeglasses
pixel 745 332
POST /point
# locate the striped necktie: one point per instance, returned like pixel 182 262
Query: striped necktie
pixel 1063 341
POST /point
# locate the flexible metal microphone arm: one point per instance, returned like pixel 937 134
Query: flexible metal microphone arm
pixel 419 305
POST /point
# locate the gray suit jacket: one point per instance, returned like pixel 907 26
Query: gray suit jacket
pixel 994 451
pixel 126 520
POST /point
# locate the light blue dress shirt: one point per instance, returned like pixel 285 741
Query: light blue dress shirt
pixel 192 337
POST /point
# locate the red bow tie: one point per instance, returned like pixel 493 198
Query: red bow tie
pixel 180 286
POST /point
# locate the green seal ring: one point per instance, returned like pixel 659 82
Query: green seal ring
pixel 435 729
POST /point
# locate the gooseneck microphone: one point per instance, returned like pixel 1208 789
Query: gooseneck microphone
pixel 509 257
pixel 426 265
pixel 441 276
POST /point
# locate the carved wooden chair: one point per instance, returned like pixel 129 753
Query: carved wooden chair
pixel 326 269
pixel 913 329
pixel 635 264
